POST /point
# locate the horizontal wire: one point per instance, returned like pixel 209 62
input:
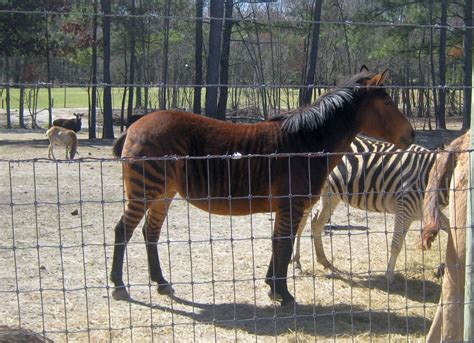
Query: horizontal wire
pixel 231 156
pixel 251 20
pixel 190 85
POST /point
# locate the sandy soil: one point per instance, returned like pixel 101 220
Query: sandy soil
pixel 54 278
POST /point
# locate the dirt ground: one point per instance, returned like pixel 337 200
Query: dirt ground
pixel 56 245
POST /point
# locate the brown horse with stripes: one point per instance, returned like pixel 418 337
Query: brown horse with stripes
pixel 279 176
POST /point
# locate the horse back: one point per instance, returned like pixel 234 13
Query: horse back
pixel 217 165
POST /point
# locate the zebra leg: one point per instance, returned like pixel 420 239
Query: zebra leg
pixel 402 224
pixel 123 232
pixel 296 256
pixel 287 220
pixel 67 153
pixel 156 215
pixel 328 204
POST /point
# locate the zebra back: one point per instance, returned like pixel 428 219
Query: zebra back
pixel 376 176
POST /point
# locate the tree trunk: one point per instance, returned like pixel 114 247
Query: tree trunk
pixel 467 64
pixel 125 79
pixel 440 116
pixel 260 73
pixel 166 29
pixel 93 114
pixel 7 95
pixel 224 75
pixel 132 61
pixel 198 58
pixel 48 75
pixel 21 110
pixel 432 63
pixel 108 129
pixel 9 118
pixel 215 35
pixel 307 92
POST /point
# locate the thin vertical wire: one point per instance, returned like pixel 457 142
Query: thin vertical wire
pixel 211 242
pixel 387 244
pixel 422 193
pixel 127 265
pixel 168 242
pixel 229 199
pixel 105 247
pixel 83 252
pixel 252 244
pixel 310 217
pixel 190 245
pixel 40 279
pixel 333 314
pixel 61 247
pixel 403 191
pixel 351 270
pixel 364 175
pixel 292 233
pixel 17 289
pixel 146 240
pixel 272 224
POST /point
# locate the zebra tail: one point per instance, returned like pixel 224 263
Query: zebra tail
pixel 118 145
pixel 440 174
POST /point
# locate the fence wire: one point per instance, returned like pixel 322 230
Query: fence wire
pixel 357 271
pixel 59 217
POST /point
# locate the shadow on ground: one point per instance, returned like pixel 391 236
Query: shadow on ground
pixel 424 291
pixel 325 321
pixel 433 139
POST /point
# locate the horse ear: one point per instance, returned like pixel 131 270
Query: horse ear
pixel 383 76
pixel 378 79
pixel 364 69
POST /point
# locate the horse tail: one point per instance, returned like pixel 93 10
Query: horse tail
pixel 73 150
pixel 440 174
pixel 118 145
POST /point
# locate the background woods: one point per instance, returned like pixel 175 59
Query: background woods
pixel 228 58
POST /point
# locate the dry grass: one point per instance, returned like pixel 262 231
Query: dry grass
pixel 55 281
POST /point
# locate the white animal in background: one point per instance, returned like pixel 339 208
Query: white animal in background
pixel 64 137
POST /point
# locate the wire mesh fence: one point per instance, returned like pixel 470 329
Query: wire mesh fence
pixel 57 218
pixel 58 242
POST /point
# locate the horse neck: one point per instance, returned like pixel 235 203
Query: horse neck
pixel 333 137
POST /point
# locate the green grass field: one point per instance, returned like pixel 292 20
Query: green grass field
pixel 62 97
pixel 183 98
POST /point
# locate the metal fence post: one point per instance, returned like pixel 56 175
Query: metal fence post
pixel 469 285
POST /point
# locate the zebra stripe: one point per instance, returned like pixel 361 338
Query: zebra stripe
pixel 377 177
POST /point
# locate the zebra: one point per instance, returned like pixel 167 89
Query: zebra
pixel 375 176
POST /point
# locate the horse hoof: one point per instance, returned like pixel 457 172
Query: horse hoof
pixel 275 296
pixel 326 264
pixel 440 271
pixel 165 289
pixel 390 276
pixel 120 294
pixel 289 304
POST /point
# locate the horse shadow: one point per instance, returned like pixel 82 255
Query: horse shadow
pixel 424 291
pixel 310 319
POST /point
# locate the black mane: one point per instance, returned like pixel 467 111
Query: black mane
pixel 338 102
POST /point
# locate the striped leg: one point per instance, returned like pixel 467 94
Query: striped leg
pixel 134 211
pixel 296 256
pixel 287 220
pixel 402 224
pixel 328 205
pixel 156 215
